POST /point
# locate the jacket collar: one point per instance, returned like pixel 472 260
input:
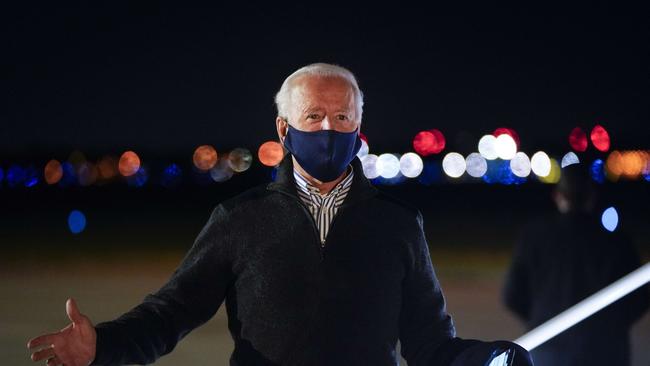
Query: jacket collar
pixel 360 189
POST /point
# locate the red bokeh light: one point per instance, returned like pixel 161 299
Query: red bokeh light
pixel 578 139
pixel 429 142
pixel 363 137
pixel 600 138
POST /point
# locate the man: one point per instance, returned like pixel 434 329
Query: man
pixel 561 260
pixel 316 268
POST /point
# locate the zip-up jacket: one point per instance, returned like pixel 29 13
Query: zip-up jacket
pixel 292 301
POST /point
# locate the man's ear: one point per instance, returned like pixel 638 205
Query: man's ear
pixel 281 125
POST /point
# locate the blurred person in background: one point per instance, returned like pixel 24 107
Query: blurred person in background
pixel 562 259
pixel 316 268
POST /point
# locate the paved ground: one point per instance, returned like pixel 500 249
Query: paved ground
pixel 33 294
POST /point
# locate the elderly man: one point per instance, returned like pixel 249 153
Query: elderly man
pixel 316 268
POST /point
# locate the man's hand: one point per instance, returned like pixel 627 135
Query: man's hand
pixel 73 345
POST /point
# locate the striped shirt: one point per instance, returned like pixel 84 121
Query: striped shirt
pixel 323 208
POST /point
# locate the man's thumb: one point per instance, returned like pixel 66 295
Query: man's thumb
pixel 73 311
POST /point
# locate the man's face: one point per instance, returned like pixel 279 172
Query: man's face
pixel 321 103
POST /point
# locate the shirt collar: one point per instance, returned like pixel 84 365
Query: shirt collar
pixel 303 185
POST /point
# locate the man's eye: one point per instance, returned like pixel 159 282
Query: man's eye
pixel 342 117
pixel 313 116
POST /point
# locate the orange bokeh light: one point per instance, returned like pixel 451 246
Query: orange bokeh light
pixel 107 167
pixel 270 153
pixel 53 172
pixel 205 157
pixel 129 163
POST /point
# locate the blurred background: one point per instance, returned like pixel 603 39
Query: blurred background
pixel 124 124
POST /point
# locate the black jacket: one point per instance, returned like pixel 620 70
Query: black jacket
pixel 292 302
pixel 559 261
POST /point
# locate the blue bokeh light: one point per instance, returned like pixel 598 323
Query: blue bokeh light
pixel 69 177
pixel 171 176
pixel 31 177
pixel 138 179
pixel 431 173
pixel 610 219
pixel 499 171
pixel 15 175
pixel 597 172
pixel 76 221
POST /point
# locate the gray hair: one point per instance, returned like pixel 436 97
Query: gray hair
pixel 283 97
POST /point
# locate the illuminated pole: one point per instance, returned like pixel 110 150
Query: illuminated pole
pixel 585 308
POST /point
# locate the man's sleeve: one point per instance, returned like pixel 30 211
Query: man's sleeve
pixel 190 298
pixel 427 333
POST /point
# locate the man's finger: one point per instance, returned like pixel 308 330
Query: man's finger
pixel 45 339
pixel 43 354
pixel 73 311
pixel 54 361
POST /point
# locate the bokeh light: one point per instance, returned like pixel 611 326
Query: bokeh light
pixel 270 153
pixel 76 221
pixel 609 219
pixel 614 165
pixel 431 173
pixel 569 158
pixel 138 179
pixel 454 164
pixel 107 167
pixel 487 147
pixel 600 138
pixel 222 171
pixel 31 177
pixel 369 164
pixel 499 171
pixel 364 150
pixel 597 171
pixel 387 165
pixel 554 174
pixel 15 175
pixel 505 147
pixel 69 175
pixel 53 172
pixel 520 165
pixel 129 163
pixel 508 131
pixel 2 175
pixel 205 157
pixel 540 164
pixel 578 139
pixel 429 142
pixel 171 176
pixel 476 165
pixel 86 173
pixel 240 159
pixel 410 164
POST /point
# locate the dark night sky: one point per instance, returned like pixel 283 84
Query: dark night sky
pixel 166 79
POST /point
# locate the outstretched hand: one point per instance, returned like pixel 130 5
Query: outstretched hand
pixel 73 345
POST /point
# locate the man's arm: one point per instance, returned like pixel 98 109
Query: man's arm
pixel 427 333
pixel 190 298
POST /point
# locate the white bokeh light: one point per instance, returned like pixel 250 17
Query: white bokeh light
pixel 363 151
pixel 505 147
pixel 487 147
pixel 454 164
pixel 569 159
pixel 476 165
pixel 387 165
pixel 410 164
pixel 609 219
pixel 520 165
pixel 369 163
pixel 540 163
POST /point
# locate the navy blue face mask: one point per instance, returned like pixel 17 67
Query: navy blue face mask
pixel 324 154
